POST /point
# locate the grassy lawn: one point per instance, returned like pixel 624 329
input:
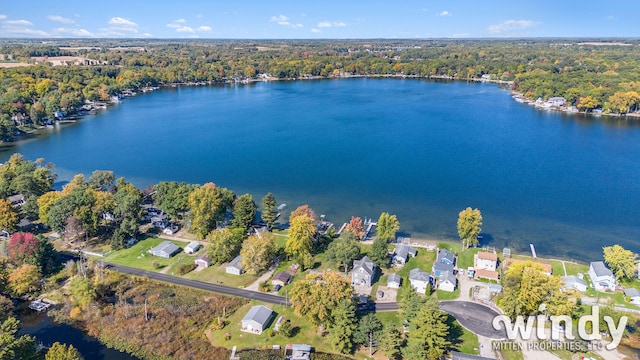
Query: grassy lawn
pixel 556 268
pixel 575 268
pixel 510 353
pixel 446 295
pixel 389 317
pixel 138 255
pixel 468 342
pixel 216 274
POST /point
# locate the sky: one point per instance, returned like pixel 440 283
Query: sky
pixel 319 19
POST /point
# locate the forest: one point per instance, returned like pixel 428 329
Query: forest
pixel 598 74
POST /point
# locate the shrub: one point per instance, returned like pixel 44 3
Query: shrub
pixel 155 264
pixel 265 286
pixel 186 268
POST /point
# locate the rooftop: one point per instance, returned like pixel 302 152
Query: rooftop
pixel 487 256
pixel 259 313
pixel 600 269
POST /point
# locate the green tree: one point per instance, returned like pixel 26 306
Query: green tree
pixel 205 203
pixel 390 341
pixel 380 252
pixel 343 250
pixel 286 329
pixel 469 226
pixel 102 179
pixel 302 232
pixel 269 212
pixel 83 292
pixel 127 210
pixel 244 211
pixel 13 346
pixel 428 334
pixel 172 197
pixel 316 296
pixel 224 244
pixel 24 280
pixel 387 226
pixel 8 216
pixel 257 253
pixel 368 332
pixel 59 351
pixel 621 261
pixel 410 304
pixel 343 326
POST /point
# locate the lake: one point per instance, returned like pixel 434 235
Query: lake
pixel 423 150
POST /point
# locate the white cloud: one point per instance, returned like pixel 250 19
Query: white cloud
pixel 444 13
pixel 118 21
pixel 199 16
pixel 60 19
pixel 181 28
pixel 297 26
pixel 2 17
pixel 204 28
pixel 147 35
pixel 316 31
pixel 181 21
pixel 72 32
pixel 284 21
pixel 18 23
pixel 511 25
pixel 328 24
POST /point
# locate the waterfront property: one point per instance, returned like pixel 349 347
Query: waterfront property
pixel 574 282
pixel 235 266
pixel 547 268
pixel 420 279
pixel 402 253
pixel 166 249
pixel 363 271
pixel 602 278
pixel 486 274
pixel 485 260
pixel 445 262
pixel 257 319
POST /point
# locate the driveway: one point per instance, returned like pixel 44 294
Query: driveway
pixel 474 317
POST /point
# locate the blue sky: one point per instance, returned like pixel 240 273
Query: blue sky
pixel 325 19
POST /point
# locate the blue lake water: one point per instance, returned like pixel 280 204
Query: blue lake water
pixel 420 149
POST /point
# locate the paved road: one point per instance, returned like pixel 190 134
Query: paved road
pixel 475 317
pixel 247 294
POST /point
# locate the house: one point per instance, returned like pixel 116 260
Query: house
pixel 192 247
pixel 394 281
pixel 363 271
pixel 297 351
pixel 281 278
pixel 633 294
pixel 166 249
pixel 235 266
pixel 447 281
pixel 574 282
pixel 485 260
pixel 487 274
pixel 160 221
pixel 556 101
pixel 547 267
pixel 445 262
pixel 402 252
pixel 17 200
pixel 601 277
pixel 419 280
pixel 130 242
pixel 257 319
pixel 203 261
pixel 25 225
pixel 170 229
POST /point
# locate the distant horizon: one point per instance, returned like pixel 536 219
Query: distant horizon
pixel 331 19
pixel 593 38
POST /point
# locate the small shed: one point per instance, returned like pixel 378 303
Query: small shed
pixel 192 247
pixel 633 294
pixel 574 282
pixel 281 278
pixel 235 266
pixel 166 249
pixel 394 281
pixel 257 319
pixel 203 261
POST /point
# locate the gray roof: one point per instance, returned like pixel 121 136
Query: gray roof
pixel 204 257
pixel 632 292
pixel 600 269
pixel 394 278
pixel 448 275
pixel 283 276
pixel 194 245
pixel 446 254
pixel 404 251
pixel 165 247
pixel 442 267
pixel 365 263
pixel 572 279
pixel 419 275
pixel 16 198
pixel 259 313
pixel 236 263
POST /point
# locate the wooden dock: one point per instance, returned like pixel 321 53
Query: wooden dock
pixel 533 251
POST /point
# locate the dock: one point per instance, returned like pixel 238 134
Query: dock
pixel 533 251
pixel 369 224
pixel 341 229
pixel 39 305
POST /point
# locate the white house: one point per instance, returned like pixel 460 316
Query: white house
pixel 419 280
pixel 574 282
pixel 166 249
pixel 447 281
pixel 256 319
pixel 235 266
pixel 601 277
pixel 633 294
pixel 394 281
pixel 192 247
pixel 485 260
